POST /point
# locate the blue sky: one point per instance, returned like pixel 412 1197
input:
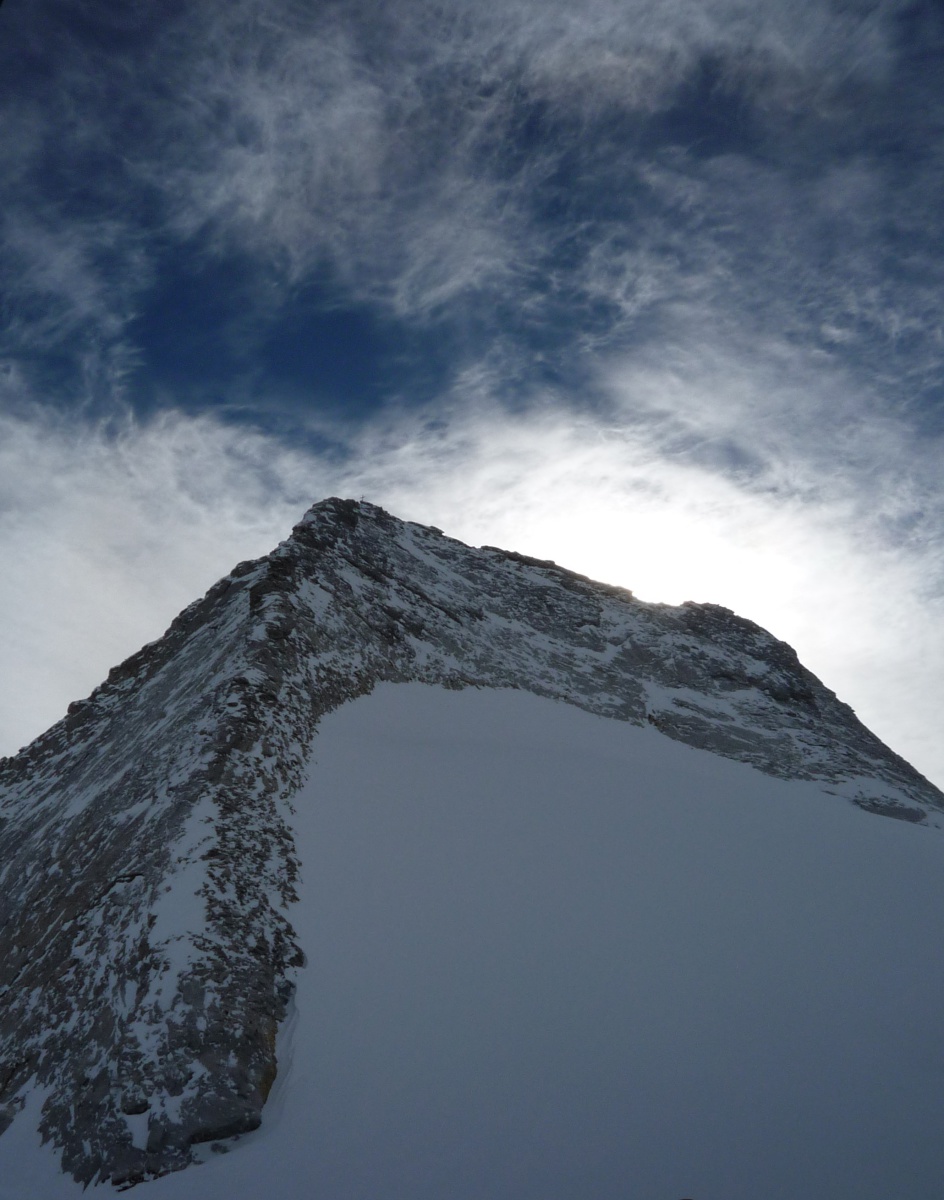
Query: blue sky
pixel 651 287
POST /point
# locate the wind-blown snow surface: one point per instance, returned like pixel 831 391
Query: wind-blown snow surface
pixel 555 955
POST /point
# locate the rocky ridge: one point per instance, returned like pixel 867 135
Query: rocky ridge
pixel 147 868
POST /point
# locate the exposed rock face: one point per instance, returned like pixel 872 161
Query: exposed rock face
pixel 147 865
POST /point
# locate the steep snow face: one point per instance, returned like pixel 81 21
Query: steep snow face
pixel 148 868
pixel 551 954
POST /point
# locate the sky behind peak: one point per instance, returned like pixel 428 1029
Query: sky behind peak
pixel 692 248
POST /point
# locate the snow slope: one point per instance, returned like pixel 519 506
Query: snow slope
pixel 551 954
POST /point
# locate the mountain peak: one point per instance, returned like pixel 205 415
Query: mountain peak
pixel 149 869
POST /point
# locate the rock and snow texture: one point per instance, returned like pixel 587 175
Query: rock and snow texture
pixel 553 955
pixel 149 866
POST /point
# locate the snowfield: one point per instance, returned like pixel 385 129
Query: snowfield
pixel 552 955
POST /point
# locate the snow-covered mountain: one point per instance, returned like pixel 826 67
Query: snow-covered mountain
pixel 153 949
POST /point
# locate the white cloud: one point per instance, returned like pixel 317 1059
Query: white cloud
pixel 406 153
pixel 388 146
pixel 104 539
pixel 635 54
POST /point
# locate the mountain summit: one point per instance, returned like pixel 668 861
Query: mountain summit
pixel 149 868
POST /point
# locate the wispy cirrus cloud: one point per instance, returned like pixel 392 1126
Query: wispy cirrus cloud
pixel 376 142
pixel 415 156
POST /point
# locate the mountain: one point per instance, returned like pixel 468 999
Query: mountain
pixel 150 868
